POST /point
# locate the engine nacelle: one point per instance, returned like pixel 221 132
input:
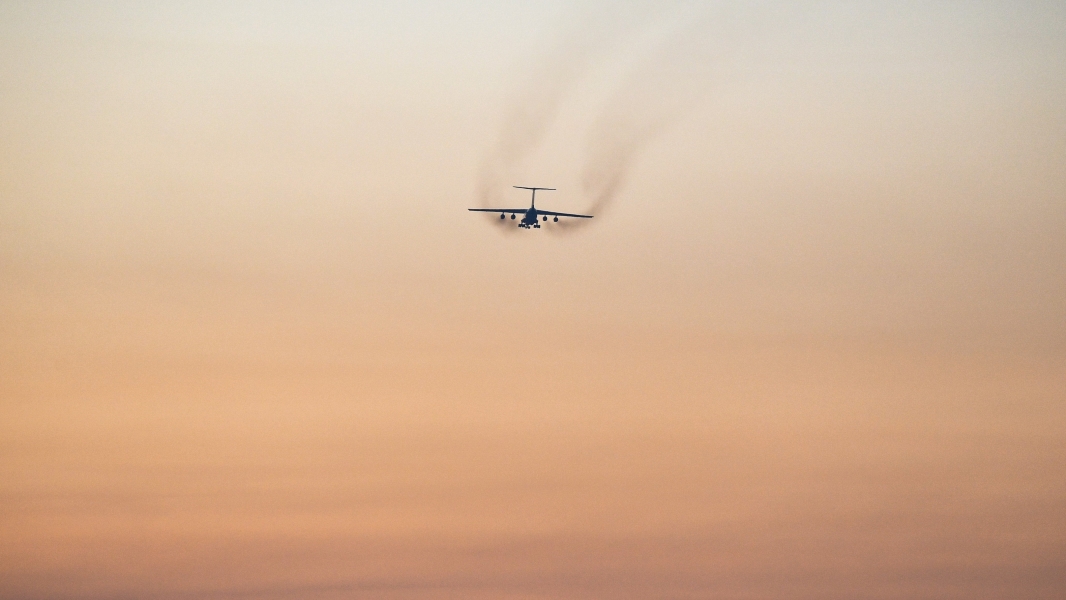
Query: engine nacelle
pixel 556 219
pixel 512 217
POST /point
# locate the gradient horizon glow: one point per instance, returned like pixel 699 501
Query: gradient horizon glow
pixel 252 344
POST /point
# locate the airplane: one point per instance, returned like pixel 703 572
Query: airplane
pixel 532 215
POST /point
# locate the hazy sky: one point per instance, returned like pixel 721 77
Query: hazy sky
pixel 253 345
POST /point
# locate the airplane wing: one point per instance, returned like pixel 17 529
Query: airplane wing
pixel 559 214
pixel 501 210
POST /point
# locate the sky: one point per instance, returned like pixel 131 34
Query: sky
pixel 253 345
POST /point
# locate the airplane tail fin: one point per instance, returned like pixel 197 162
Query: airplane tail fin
pixel 533 200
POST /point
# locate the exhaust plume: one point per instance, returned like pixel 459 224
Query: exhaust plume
pixel 654 96
pixel 650 97
pixel 534 109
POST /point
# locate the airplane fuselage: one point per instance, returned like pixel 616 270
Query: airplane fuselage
pixel 530 219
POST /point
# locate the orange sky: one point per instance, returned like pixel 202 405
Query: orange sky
pixel 252 344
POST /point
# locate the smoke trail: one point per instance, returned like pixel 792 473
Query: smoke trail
pixel 535 107
pixel 646 102
pixel 654 96
pixel 614 143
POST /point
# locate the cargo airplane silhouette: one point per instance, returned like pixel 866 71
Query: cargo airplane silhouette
pixel 531 216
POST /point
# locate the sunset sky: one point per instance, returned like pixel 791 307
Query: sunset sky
pixel 253 345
